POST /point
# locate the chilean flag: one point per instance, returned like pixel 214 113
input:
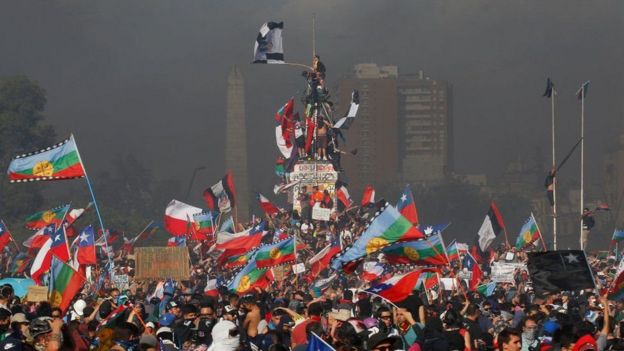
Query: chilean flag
pixel 5 236
pixel 407 206
pixel 37 240
pixel 211 288
pixel 368 197
pixel 176 241
pixel 86 246
pixel 238 243
pixel 267 206
pixel 372 270
pixel 56 244
pixel 397 288
pixel 322 259
pixel 472 265
pixel 178 216
pixel 344 199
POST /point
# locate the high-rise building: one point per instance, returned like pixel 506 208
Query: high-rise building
pixel 403 129
pixel 236 140
pixel 425 115
pixel 375 130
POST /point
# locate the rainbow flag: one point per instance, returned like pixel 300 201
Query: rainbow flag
pixel 42 219
pixel 65 283
pixel 452 252
pixel 529 233
pixel 57 162
pixel 276 254
pixel 427 252
pixel 249 278
pixel 388 227
pixel 618 235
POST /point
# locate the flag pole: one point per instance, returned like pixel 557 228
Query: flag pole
pixel 582 91
pixel 313 35
pixel 10 235
pixel 97 209
pixel 541 236
pixel 554 165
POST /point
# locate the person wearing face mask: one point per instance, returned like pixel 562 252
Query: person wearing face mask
pixel 529 334
pixel 184 329
pixel 207 320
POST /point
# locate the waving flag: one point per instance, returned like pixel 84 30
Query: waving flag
pixel 178 216
pixel 616 290
pixel 618 235
pixel 346 121
pixel 232 258
pixel 227 225
pixel 56 245
pixel 65 283
pixel 203 225
pixel 486 290
pixel 582 92
pixel 37 240
pixel 222 195
pixel 176 241
pixel 268 46
pixel 491 227
pixel 430 230
pixel 318 344
pixel 41 219
pixel 398 287
pixel 407 206
pixel 372 270
pixel 452 252
pixel 284 145
pixel 286 110
pixel 344 199
pixel 57 162
pixel 86 246
pixel 550 88
pixel 321 260
pixel 211 288
pixel 243 241
pixel 471 265
pixel 267 206
pixel 529 233
pixel 5 236
pixel 249 278
pixel 275 254
pixel 368 197
pixel 427 252
pixel 321 285
pixel 385 229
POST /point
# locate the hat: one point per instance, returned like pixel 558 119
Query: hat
pixel 551 327
pixel 378 338
pixel 341 315
pixel 230 309
pixel 147 339
pixel 150 325
pixel 172 304
pixel 166 320
pixel 585 343
pixel 19 318
pixel 164 330
pixel 79 307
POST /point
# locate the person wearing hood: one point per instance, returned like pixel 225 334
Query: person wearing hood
pixel 225 337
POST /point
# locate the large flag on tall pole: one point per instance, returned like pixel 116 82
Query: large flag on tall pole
pixel 56 162
pixel 582 92
pixel 268 46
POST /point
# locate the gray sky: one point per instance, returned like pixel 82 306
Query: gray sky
pixel 149 76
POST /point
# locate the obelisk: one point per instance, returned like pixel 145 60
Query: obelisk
pixel 236 141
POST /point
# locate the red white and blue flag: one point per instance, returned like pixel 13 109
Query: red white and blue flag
pixel 86 246
pixel 398 287
pixel 372 270
pixel 5 236
pixel 267 206
pixel 407 206
pixel 368 196
pixel 471 265
pixel 344 199
pixel 176 241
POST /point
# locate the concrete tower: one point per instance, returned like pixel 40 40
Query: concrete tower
pixel 236 140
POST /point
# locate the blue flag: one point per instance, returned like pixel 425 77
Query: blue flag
pixel 317 344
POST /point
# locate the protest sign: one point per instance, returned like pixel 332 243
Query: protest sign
pixel 298 268
pixel 37 293
pixel 162 263
pixel 121 281
pixel 321 214
pixel 504 272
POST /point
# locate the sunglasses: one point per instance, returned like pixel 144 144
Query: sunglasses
pixel 385 317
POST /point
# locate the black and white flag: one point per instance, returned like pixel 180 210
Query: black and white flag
pixel 268 46
pixel 346 121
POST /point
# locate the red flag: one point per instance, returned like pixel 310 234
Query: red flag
pixel 368 197
pixel 86 247
pixel 285 110
pixel 267 206
pixel 344 199
pixel 5 236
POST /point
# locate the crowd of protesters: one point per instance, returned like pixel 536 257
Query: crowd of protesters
pixel 285 316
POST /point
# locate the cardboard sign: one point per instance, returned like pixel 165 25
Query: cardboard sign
pixel 162 263
pixel 298 268
pixel 37 293
pixel 321 214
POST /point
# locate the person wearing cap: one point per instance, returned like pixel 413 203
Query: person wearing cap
pixel 15 339
pixel 46 333
pixel 148 342
pixel 165 336
pixel 335 319
pixel 382 342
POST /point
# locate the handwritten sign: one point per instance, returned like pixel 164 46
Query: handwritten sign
pixel 162 263
pixel 321 214
pixel 298 268
pixel 504 272
pixel 121 281
pixel 37 293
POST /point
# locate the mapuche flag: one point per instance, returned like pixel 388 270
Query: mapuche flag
pixel 276 254
pixel 529 233
pixel 42 219
pixel 57 162
pixel 65 283
pixel 222 195
pixel 385 229
pixel 250 277
pixel 491 227
pixel 427 252
pixel 563 270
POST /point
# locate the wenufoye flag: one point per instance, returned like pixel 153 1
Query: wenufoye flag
pixel 56 162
